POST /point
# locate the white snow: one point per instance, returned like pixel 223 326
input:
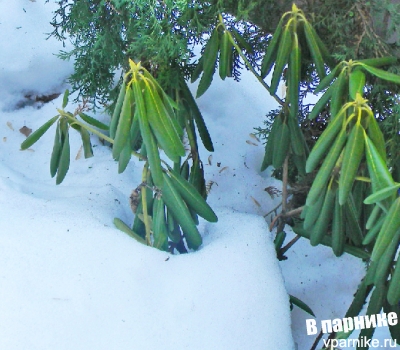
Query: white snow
pixel 70 280
pixel 28 60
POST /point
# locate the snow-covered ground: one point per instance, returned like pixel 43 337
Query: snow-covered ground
pixel 70 280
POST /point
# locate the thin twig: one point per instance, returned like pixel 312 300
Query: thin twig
pixel 315 344
pixel 284 249
pixel 288 214
pixel 285 172
pixel 273 210
pixel 293 212
pixel 271 226
pixel 85 126
pixel 367 28
pixel 144 207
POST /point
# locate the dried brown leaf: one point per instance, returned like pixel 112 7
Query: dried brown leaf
pixel 9 124
pixel 79 154
pixel 25 131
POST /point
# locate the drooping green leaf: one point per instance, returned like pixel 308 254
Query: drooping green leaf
pixel 197 116
pixel 119 224
pixel 181 214
pixel 377 169
pixel 356 83
pixel 65 98
pixel 301 304
pixel 56 153
pixel 339 93
pixel 353 153
pixel 36 135
pixel 65 155
pixel 117 110
pixel 162 125
pixel 314 49
pixel 382 194
pixel 209 63
pixel 322 102
pixel 379 62
pixel 192 197
pixel 124 125
pixel 324 83
pixel 87 145
pixel 294 77
pixel 325 141
pixel 380 73
pixel 389 228
pixel 92 121
pixel 282 58
pixel 272 50
pixel 327 166
pixel 153 155
pixel 375 134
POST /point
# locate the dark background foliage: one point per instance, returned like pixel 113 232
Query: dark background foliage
pixel 163 34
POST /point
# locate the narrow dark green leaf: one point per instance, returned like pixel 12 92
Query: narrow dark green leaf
pixel 339 93
pixel 375 134
pixel 302 305
pixel 124 157
pixel 117 110
pixel 210 61
pixel 87 145
pixel 324 83
pixel 162 125
pixel 120 225
pixel 198 118
pixel 294 78
pixel 314 49
pixel 325 141
pixel 388 230
pixel 56 153
pixel 63 165
pixel 36 135
pixel 382 194
pixel 377 169
pixel 326 169
pixel 379 62
pixel 153 155
pixel 282 58
pixel 124 125
pixel 65 98
pixel 351 161
pixel 92 121
pixel 181 213
pixel 322 102
pixel 272 50
pixel 394 78
pixel 198 70
pixel 205 82
pixel 356 83
pixel 243 44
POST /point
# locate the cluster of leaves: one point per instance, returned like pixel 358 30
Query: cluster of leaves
pixel 60 156
pixel 145 110
pixel 169 200
pixel 353 204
